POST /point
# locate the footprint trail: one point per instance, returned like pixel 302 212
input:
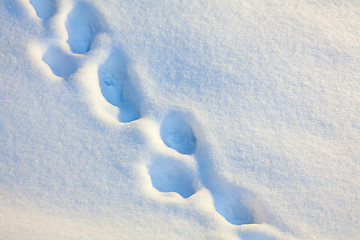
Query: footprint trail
pixel 229 201
pixel 82 24
pixel 44 8
pixel 117 87
pixel 168 173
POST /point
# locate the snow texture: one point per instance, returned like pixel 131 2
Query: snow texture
pixel 179 119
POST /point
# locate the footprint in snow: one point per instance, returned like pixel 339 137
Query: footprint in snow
pixel 232 206
pixel 117 87
pixel 171 175
pixel 177 133
pixel 44 8
pixel 167 174
pixel 235 203
pixel 61 63
pixel 82 25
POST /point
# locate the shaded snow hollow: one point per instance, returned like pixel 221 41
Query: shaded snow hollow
pixel 179 120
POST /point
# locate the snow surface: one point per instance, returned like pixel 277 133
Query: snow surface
pixel 179 119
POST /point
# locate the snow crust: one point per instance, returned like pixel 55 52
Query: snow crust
pixel 179 119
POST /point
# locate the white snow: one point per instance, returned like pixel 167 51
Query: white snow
pixel 179 119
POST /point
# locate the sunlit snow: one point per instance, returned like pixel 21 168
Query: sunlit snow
pixel 129 119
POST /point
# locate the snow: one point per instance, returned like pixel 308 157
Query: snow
pixel 44 8
pixel 61 64
pixel 179 119
pixel 82 26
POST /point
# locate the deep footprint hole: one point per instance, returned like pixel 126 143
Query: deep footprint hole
pixel 82 25
pixel 44 8
pixel 233 208
pixel 61 64
pixel 171 175
pixel 177 133
pixel 117 87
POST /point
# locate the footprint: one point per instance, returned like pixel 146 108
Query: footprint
pixel 61 64
pixel 231 205
pixel 82 25
pixel 117 87
pixel 235 203
pixel 229 201
pixel 171 175
pixel 44 8
pixel 177 133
